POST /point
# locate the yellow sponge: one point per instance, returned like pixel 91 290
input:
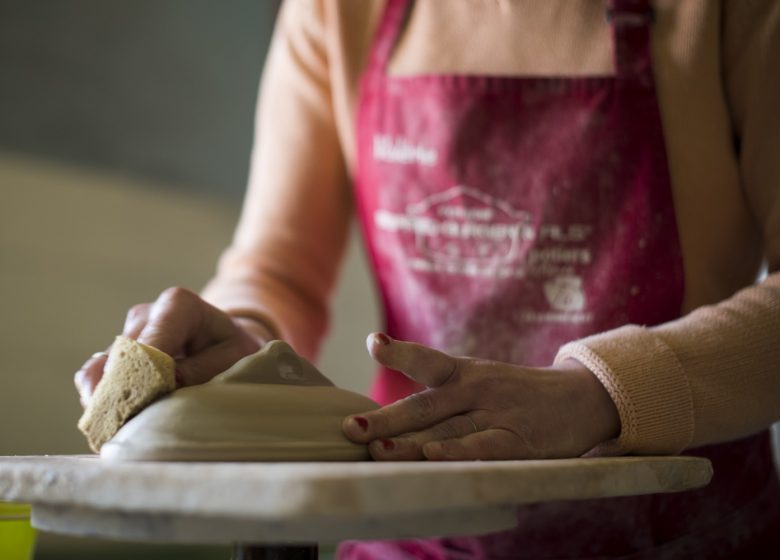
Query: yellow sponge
pixel 134 376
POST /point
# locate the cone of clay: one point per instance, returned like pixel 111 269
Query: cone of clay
pixel 270 406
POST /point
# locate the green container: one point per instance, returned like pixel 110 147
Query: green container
pixel 17 537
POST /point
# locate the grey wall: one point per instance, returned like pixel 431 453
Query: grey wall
pixel 159 89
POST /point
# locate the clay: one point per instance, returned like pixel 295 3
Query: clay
pixel 270 406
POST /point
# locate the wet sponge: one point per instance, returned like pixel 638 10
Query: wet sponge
pixel 134 376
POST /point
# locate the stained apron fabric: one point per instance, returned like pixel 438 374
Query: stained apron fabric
pixel 506 216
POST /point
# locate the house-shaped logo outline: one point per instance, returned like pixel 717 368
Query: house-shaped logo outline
pixel 500 209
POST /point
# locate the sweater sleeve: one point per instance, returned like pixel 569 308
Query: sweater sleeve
pixel 713 375
pixel 283 260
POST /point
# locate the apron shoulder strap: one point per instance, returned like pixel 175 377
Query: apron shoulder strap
pixel 390 24
pixel 631 22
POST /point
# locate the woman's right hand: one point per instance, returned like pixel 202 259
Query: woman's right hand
pixel 204 340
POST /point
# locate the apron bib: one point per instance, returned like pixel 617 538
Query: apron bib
pixel 506 216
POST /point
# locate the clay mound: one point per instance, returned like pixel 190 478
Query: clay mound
pixel 270 406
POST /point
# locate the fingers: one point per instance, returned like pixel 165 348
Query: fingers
pixel 172 320
pixel 420 410
pixel 409 447
pixel 90 374
pixel 460 438
pixel 203 339
pixel 180 322
pixel 412 414
pixel 423 364
pixel 207 363
pixel 520 412
pixel 87 378
pixel 136 320
pixel 491 444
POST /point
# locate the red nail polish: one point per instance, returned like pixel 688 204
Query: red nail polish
pixel 387 444
pixel 362 422
pixel 382 338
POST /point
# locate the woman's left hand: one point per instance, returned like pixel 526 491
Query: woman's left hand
pixel 479 409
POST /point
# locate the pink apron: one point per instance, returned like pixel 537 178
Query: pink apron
pixel 506 216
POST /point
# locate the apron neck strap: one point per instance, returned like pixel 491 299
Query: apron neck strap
pixel 630 19
pixel 390 24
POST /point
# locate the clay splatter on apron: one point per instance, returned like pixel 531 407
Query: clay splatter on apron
pixel 506 216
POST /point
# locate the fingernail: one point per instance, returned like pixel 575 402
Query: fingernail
pixel 381 338
pixel 361 421
pixel 387 444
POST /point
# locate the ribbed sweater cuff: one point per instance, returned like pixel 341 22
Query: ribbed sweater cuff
pixel 648 385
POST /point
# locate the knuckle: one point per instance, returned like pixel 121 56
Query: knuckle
pixel 525 440
pixel 490 391
pixel 176 295
pixel 157 326
pixel 448 430
pixel 87 378
pixel 173 301
pixel 453 449
pixel 376 455
pixel 422 406
pixel 137 312
pixel 408 448
pixel 405 442
pixel 138 309
pixel 380 423
pixel 453 366
pixel 475 378
pixel 487 448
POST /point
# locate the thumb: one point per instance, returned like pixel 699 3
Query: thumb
pixel 421 363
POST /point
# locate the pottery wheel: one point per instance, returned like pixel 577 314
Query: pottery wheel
pixel 317 502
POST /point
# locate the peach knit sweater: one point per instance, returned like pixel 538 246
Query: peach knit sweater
pixel 710 376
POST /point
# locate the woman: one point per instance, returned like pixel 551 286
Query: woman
pixel 581 203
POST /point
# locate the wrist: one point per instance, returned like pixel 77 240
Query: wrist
pixel 593 402
pixel 259 331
